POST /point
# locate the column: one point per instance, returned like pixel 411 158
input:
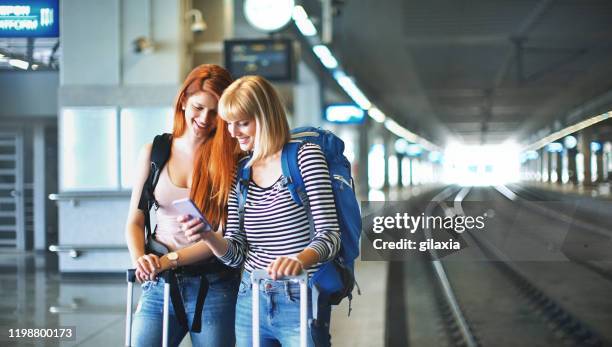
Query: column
pixel 572 169
pixel 547 158
pixel 40 196
pixel 559 167
pixel 400 157
pixel 388 147
pixel 542 165
pixel 599 160
pixel 608 163
pixel 362 168
pixel 584 146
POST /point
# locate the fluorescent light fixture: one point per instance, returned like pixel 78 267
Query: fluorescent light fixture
pixel 19 64
pixel 377 114
pixel 569 130
pixel 414 150
pixel 532 155
pixel 435 156
pixel 351 89
pixel 570 141
pixel 400 131
pixel 303 22
pixel 554 147
pixel 401 145
pixel 326 57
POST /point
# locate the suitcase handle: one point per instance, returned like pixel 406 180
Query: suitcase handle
pixel 130 275
pixel 261 274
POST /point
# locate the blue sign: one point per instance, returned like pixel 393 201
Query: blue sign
pixel 29 18
pixel 344 113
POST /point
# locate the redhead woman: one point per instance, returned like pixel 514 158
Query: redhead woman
pixel 276 233
pixel 200 166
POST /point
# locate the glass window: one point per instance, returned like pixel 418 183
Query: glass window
pixel 138 127
pixel 88 149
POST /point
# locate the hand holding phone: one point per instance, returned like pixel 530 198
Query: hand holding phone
pixel 188 207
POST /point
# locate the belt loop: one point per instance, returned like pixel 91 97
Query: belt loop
pixel 288 290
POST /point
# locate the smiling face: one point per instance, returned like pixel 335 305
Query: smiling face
pixel 200 111
pixel 244 130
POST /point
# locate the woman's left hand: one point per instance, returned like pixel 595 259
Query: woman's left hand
pixel 285 266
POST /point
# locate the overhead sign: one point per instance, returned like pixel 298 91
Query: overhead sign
pixel 270 58
pixel 344 113
pixel 29 18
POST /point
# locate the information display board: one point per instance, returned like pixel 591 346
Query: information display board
pixel 270 58
pixel 29 18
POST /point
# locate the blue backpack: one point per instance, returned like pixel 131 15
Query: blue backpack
pixel 336 278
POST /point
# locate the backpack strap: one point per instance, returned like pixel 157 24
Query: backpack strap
pixel 295 182
pixel 242 189
pixel 160 153
pixel 297 188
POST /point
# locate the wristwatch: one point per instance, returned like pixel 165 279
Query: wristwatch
pixel 173 257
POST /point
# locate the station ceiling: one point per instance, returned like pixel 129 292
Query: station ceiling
pixel 478 71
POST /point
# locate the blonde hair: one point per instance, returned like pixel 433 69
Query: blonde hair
pixel 253 97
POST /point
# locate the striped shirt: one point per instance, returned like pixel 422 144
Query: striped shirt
pixel 276 226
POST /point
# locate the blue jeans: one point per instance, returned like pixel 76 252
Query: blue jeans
pixel 218 314
pixel 279 315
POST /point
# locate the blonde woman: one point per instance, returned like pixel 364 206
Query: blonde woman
pixel 276 232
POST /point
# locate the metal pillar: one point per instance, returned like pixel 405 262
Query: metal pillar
pixel 599 160
pixel 584 144
pixel 559 167
pixel 572 169
pixel 548 156
pixel 400 157
pixel 362 168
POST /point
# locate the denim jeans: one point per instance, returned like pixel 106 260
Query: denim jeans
pixel 279 315
pixel 218 314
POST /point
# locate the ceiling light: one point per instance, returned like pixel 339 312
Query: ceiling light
pixel 377 114
pixel 326 57
pixel 352 90
pixel 19 64
pixel 303 22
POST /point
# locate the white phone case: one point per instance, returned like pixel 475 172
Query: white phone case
pixel 187 206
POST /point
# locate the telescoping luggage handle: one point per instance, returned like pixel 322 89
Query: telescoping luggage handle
pixel 259 275
pixel 131 278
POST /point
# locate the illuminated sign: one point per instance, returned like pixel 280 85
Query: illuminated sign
pixel 344 113
pixel 270 58
pixel 29 18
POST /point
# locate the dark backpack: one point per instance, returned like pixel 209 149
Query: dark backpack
pixel 160 153
pixel 336 278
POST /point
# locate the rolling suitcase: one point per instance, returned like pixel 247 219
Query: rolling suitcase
pixel 131 278
pixel 256 277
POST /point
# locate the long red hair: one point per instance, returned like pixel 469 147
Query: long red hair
pixel 215 158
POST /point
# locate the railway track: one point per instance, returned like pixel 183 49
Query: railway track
pixel 487 303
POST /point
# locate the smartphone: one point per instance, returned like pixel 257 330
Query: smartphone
pixel 187 206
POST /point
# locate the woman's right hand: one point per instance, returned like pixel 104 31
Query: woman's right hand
pixel 193 228
pixel 147 267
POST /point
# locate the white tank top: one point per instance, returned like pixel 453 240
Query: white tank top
pixel 168 229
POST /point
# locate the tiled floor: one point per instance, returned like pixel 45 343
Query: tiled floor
pixel 34 295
